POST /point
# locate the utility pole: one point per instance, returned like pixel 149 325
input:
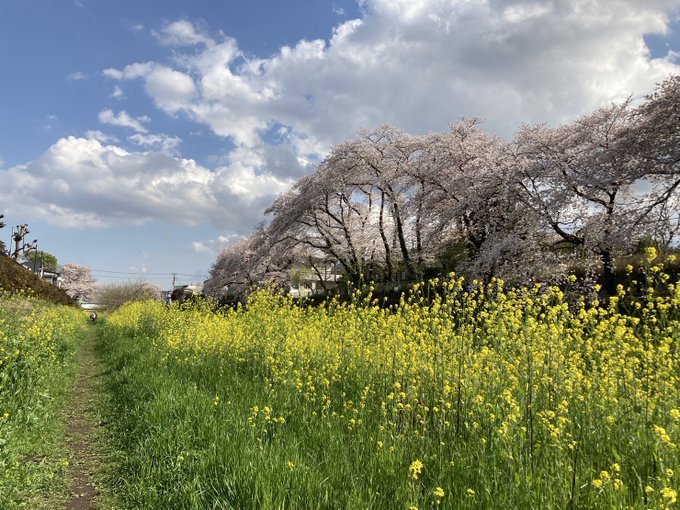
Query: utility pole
pixel 2 225
pixel 20 246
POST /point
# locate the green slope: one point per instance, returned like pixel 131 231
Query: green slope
pixel 16 278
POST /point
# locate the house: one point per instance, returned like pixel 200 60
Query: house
pixel 52 276
pixel 320 276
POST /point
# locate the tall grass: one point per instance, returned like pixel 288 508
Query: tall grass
pixel 483 398
pixel 37 346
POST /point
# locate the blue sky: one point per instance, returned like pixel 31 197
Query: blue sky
pixel 142 136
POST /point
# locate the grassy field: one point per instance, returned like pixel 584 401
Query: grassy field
pixel 482 398
pixel 37 346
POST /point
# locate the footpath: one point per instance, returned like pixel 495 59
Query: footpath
pixel 82 425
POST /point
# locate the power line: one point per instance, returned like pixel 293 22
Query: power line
pixel 127 278
pixel 145 274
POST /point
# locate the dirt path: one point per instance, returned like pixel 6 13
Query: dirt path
pixel 81 432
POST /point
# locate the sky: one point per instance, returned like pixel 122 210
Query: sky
pixel 139 138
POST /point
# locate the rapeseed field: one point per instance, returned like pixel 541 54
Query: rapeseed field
pixel 38 341
pixel 479 397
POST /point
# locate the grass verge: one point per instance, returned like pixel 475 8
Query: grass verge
pixel 38 346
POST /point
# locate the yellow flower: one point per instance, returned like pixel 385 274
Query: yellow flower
pixel 670 495
pixel 470 493
pixel 675 414
pixel 597 483
pixel 650 254
pixel 663 435
pixel 439 492
pixel 415 469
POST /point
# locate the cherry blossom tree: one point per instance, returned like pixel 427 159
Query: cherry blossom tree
pixel 322 214
pixel 245 264
pixel 388 202
pixel 655 140
pixel 581 180
pixel 469 198
pixel 77 281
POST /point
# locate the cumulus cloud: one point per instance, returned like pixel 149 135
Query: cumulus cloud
pixel 416 64
pixel 100 136
pixel 419 65
pixel 170 89
pixel 215 246
pixel 158 141
pixel 122 119
pixel 81 182
pixel 182 33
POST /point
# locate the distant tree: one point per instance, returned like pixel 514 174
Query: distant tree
pixel 247 263
pixel 114 295
pixel 77 281
pixel 42 259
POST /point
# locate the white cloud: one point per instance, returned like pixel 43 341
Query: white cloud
pixel 122 119
pixel 416 64
pixel 158 141
pixel 171 90
pixel 215 246
pixel 100 136
pixel 117 93
pixel 136 27
pixel 77 76
pixel 80 182
pixel 182 33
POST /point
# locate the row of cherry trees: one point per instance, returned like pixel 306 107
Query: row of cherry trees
pixel 389 205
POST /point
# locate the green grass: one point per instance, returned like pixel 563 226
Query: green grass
pixel 612 379
pixel 38 343
pixel 14 278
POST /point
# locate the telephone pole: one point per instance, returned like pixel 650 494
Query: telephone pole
pixel 20 246
pixel 2 245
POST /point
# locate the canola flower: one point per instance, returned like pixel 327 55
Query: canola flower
pixel 37 341
pixel 581 399
pixel 415 469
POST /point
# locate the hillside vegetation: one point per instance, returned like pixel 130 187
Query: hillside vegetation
pixel 15 278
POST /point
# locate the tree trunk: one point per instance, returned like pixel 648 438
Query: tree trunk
pixel 608 275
